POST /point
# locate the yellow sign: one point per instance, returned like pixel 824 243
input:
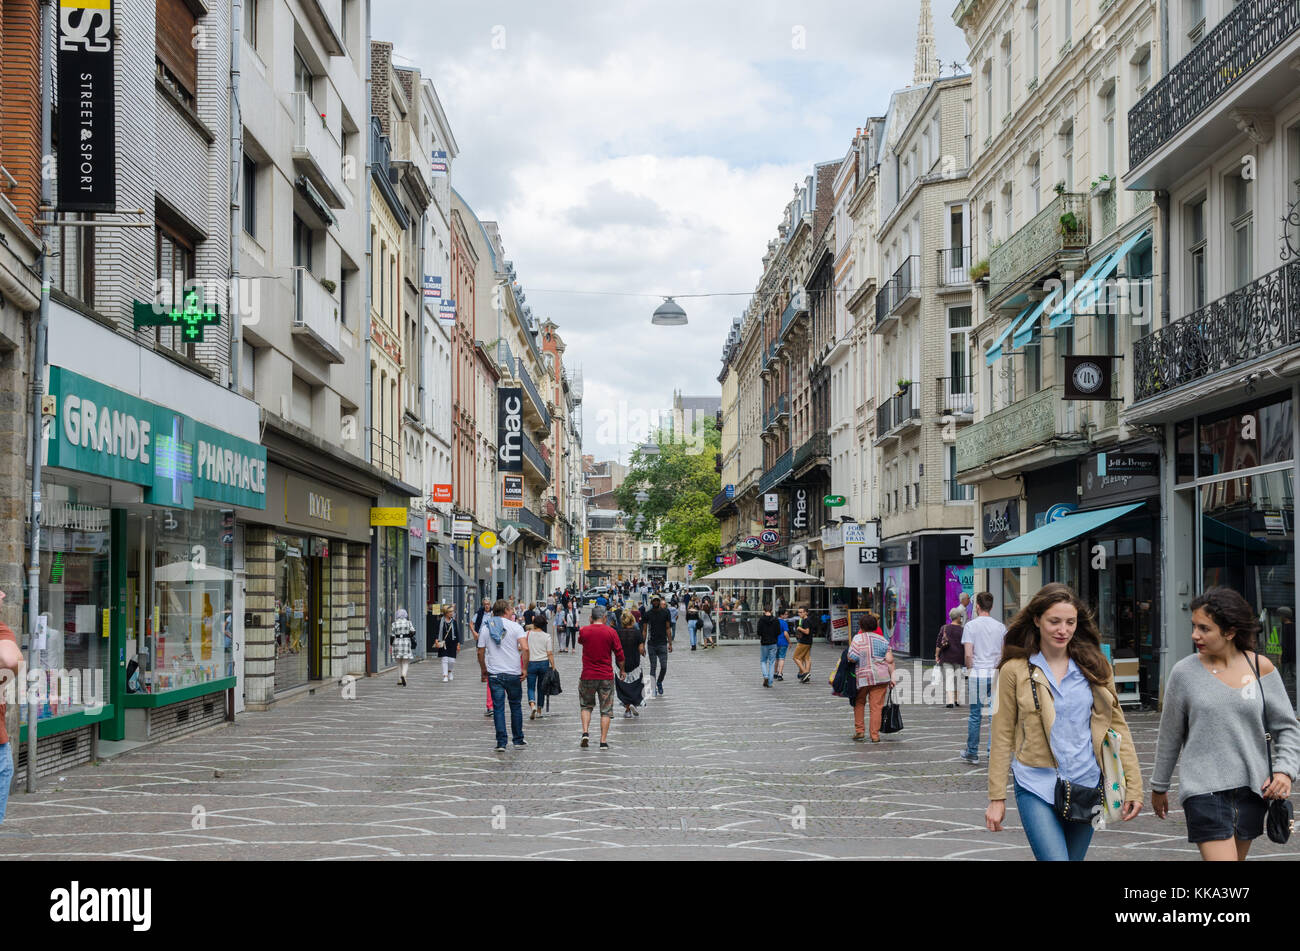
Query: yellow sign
pixel 107 622
pixel 388 518
pixel 488 539
pixel 586 554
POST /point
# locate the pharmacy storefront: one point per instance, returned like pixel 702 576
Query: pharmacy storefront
pixel 139 610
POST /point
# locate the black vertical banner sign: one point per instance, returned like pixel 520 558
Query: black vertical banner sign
pixel 87 107
pixel 510 426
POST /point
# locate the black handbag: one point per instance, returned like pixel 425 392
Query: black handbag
pixel 1279 821
pixel 891 716
pixel 1073 802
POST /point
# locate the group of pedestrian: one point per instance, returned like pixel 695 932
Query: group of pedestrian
pixel 776 629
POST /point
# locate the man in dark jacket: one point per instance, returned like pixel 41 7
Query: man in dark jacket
pixel 769 632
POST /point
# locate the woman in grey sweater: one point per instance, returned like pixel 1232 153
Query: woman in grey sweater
pixel 1213 719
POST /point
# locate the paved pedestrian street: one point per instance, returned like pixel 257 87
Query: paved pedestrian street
pixel 718 768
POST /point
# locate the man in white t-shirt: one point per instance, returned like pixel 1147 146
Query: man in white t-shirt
pixel 982 639
pixel 503 659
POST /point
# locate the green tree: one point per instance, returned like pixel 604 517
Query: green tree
pixel 680 480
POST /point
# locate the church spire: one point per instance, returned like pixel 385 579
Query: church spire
pixel 926 68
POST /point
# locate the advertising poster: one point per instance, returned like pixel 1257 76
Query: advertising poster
pixel 958 578
pixel 897 607
pixel 840 633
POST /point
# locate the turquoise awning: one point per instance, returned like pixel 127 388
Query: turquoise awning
pixel 992 354
pixel 1024 551
pixel 1085 292
pixel 1025 331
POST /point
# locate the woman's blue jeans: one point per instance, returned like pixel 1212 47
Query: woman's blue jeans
pixel 535 670
pixel 690 625
pixel 1051 838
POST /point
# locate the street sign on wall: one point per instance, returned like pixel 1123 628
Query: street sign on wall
pixel 87 107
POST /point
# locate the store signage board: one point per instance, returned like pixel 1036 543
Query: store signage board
pixel 388 517
pixel 512 492
pixel 105 432
pixel 799 510
pixel 432 287
pixel 441 494
pixel 1088 377
pixel 1000 521
pixel 191 317
pixel 86 106
pixel 834 501
pixel 447 312
pixel 462 527
pixel 510 426
pixel 771 502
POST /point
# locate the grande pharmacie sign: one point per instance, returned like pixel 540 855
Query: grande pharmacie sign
pixel 105 432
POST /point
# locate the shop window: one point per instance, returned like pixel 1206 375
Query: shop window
pixel 1245 438
pixel 292 630
pixel 174 260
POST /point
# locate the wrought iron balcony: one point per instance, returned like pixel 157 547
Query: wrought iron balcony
pixel 1024 424
pixel 955 395
pixel 903 286
pixel 954 491
pixel 722 501
pixel 1255 320
pixel 1030 252
pixel 954 267
pixel 527 520
pixel 907 408
pixel 884 418
pixel 818 447
pixel 882 304
pixel 1252 30
pixel 777 473
pixel 385 453
pixel 798 305
pixel 534 457
pixel 530 388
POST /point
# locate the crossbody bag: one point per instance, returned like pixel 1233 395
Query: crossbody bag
pixel 1073 802
pixel 1280 818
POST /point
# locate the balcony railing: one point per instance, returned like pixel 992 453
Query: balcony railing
pixel 316 147
pixel 534 457
pixel 505 357
pixel 385 453
pixel 779 470
pixel 819 445
pixel 907 407
pixel 721 501
pixel 550 509
pixel 315 316
pixel 954 266
pixel 954 491
pixel 1022 425
pixel 530 521
pixel 798 305
pixel 903 284
pixel 1245 36
pixel 531 389
pixel 884 418
pixel 1061 226
pixel 882 304
pixel 1255 320
pixel 955 395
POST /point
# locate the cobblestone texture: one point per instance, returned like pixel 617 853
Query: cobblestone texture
pixel 719 767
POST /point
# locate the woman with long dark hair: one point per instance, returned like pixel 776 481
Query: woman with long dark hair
pixel 1217 730
pixel 1055 706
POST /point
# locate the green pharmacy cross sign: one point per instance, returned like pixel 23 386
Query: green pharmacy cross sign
pixel 191 318
pixel 833 500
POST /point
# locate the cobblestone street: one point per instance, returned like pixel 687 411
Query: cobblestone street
pixel 718 768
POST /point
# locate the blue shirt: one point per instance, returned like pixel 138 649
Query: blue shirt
pixel 783 641
pixel 1071 736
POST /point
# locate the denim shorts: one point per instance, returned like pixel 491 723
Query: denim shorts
pixel 780 651
pixel 1228 813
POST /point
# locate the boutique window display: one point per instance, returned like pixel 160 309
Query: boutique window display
pixel 186 558
pixel 292 572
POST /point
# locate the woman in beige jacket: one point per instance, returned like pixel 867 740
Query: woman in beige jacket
pixel 1055 682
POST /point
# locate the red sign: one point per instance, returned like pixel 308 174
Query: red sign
pixel 441 493
pixel 728 559
pixel 429 526
pixel 555 566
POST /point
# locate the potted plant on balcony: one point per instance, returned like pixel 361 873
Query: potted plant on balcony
pixel 329 285
pixel 1101 185
pixel 1059 188
pixel 1070 224
pixel 980 271
pixel 904 384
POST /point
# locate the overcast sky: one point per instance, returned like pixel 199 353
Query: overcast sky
pixel 649 148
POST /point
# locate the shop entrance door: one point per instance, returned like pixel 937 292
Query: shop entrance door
pixel 319 604
pixel 1124 598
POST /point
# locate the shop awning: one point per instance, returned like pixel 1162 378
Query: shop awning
pixel 1086 290
pixel 1025 329
pixel 1024 551
pixel 992 353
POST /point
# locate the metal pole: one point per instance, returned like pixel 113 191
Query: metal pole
pixel 235 298
pixel 38 392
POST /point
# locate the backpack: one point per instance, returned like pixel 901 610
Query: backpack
pixel 844 679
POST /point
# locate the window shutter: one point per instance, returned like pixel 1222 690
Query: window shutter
pixel 175 42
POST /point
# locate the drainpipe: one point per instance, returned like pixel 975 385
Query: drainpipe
pixel 39 362
pixel 371 642
pixel 236 191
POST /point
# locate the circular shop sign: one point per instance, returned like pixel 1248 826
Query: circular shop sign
pixel 770 537
pixel 1088 377
pixel 488 539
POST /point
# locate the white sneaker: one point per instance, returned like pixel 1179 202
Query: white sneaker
pixel 444 679
pixel 452 677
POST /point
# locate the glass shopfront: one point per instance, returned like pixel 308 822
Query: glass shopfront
pixel 303 597
pixel 391 593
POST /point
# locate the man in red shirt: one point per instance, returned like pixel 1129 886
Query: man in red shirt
pixel 598 642
pixel 10 659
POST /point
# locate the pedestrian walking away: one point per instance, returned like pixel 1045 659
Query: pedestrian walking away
pixel 446 641
pixel 708 626
pixel 981 641
pixel 403 643
pixel 10 659
pixel 1055 705
pixel 875 672
pixel 692 619
pixel 783 644
pixel 1223 705
pixel 484 612
pixel 769 632
pixel 803 649
pixel 630 688
pixel 657 628
pixel 950 655
pixel 541 658
pixel 503 658
pixel 599 644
